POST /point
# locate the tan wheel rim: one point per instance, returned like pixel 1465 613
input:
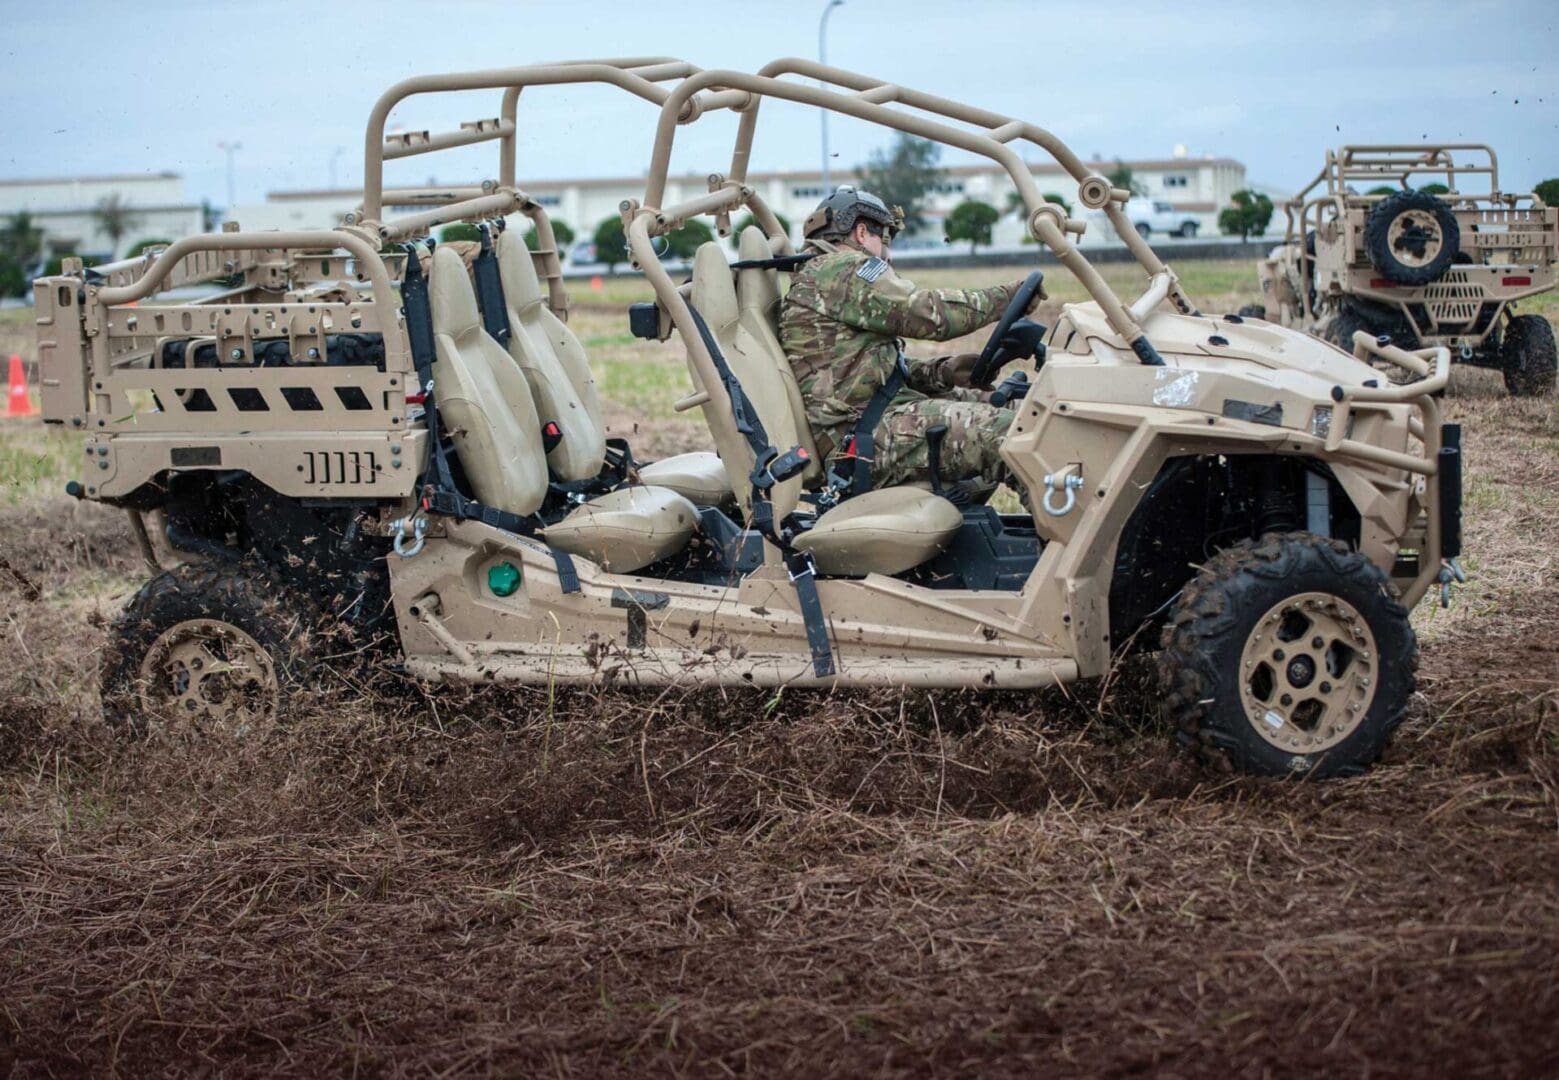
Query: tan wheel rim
pixel 1415 238
pixel 1307 675
pixel 204 676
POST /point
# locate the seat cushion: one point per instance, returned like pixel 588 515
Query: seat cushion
pixel 886 531
pixel 698 477
pixel 626 529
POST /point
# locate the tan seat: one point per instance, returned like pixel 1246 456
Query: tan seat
pixel 627 529
pixel 886 531
pixel 565 391
pixel 758 295
pixel 486 402
pixel 483 399
pixel 539 342
pixel 698 477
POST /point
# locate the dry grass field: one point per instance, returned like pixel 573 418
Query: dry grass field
pixel 429 881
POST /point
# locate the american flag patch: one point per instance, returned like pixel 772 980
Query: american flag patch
pixel 871 269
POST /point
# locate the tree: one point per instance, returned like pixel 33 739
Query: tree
pixel 1383 189
pixel 1015 203
pixel 22 241
pixel 1435 188
pixel 748 219
pixel 1121 177
pixel 687 238
pixel 459 230
pixel 1248 216
pixel 611 246
pixel 114 218
pixel 971 220
pixel 902 175
pixel 140 246
pixel 1548 191
pixel 560 232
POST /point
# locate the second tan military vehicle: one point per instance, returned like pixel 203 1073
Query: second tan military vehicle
pixel 1419 245
pixel 374 432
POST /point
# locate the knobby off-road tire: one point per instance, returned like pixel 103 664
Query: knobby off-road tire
pixel 1288 656
pixel 1527 356
pixel 206 649
pixel 1411 237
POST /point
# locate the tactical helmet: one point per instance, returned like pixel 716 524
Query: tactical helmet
pixel 837 214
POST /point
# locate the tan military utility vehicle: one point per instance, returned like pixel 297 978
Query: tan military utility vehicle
pixel 352 431
pixel 1367 250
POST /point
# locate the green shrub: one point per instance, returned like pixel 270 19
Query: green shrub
pixel 140 246
pixel 459 230
pixel 560 230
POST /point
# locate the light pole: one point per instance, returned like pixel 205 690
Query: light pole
pixel 230 148
pixel 822 58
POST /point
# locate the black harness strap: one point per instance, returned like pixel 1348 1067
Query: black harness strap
pixel 771 467
pixel 489 290
pixel 803 575
pixel 862 446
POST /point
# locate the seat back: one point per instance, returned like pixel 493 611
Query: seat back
pixel 752 361
pixel 554 365
pixel 483 399
pixel 757 291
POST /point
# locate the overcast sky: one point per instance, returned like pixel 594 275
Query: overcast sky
pixel 123 87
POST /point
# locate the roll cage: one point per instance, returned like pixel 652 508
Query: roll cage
pixel 1343 183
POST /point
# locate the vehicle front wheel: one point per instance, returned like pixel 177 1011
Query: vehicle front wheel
pixel 1288 656
pixel 1143 231
pixel 1527 356
pixel 205 650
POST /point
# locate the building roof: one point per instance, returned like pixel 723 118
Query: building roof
pixel 112 178
pixel 1039 167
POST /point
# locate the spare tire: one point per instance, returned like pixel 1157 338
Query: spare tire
pixel 1411 237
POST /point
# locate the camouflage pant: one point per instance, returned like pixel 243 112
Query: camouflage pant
pixel 970 450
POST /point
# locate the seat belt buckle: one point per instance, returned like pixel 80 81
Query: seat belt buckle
pixel 551 436
pixel 789 464
pixel 808 568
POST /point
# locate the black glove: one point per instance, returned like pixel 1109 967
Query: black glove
pixel 1014 387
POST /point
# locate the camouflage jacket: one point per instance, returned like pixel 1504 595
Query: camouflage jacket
pixel 841 323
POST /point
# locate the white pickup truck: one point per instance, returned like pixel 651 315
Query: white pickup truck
pixel 1156 216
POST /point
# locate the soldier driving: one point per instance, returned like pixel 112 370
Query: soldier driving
pixel 841 326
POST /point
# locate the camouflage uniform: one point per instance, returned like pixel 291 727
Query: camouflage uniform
pixel 840 325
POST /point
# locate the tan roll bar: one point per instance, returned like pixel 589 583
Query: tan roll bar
pixel 869 101
pixel 639 76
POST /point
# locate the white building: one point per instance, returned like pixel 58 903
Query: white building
pixel 1199 187
pixel 64 209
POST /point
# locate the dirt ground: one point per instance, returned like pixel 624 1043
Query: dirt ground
pixel 424 880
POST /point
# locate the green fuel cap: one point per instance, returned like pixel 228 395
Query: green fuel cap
pixel 503 579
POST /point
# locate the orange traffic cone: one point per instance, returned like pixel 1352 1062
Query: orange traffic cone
pixel 595 283
pixel 19 402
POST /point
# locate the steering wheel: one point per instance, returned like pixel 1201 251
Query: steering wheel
pixel 991 358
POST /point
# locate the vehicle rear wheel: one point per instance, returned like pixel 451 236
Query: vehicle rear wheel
pixel 1411 237
pixel 1287 656
pixel 1527 356
pixel 1143 230
pixel 1187 230
pixel 205 650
